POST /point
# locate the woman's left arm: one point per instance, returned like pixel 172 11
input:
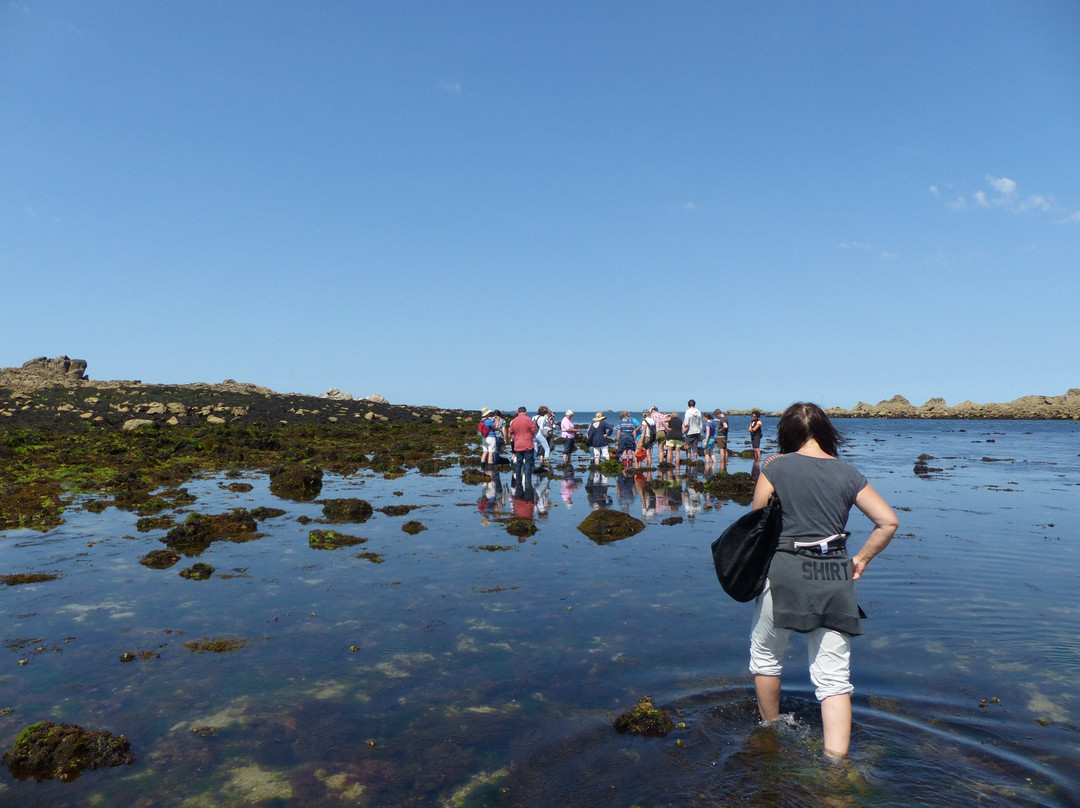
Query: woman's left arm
pixel 762 491
pixel 885 522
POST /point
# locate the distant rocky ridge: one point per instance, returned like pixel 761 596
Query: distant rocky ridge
pixel 57 392
pixel 1066 407
pixel 1027 407
pixel 45 390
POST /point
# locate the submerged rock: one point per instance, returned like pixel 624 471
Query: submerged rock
pixel 296 482
pixel 347 510
pixel 331 540
pixel 737 487
pixel 520 526
pixel 412 527
pixel 646 719
pixel 605 525
pixel 64 751
pixel 159 559
pixel 197 572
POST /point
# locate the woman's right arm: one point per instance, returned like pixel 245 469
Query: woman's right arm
pixel 885 522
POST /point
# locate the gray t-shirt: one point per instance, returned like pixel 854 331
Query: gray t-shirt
pixel 815 493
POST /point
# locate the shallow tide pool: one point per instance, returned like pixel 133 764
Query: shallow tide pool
pixel 463 666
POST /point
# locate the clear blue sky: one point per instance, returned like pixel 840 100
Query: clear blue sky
pixel 600 204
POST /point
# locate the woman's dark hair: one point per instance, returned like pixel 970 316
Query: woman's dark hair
pixel 802 421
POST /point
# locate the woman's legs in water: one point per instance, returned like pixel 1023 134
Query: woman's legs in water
pixel 830 671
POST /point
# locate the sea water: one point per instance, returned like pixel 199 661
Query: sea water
pixel 464 666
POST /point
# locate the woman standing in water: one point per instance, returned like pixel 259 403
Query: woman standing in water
pixel 810 588
pixel 755 435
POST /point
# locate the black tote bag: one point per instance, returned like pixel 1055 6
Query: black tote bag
pixel 743 552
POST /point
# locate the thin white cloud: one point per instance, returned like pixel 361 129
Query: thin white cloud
pixel 1004 195
pixel 689 206
pixel 450 87
pixel 1003 185
pixel 1072 218
pixel 867 247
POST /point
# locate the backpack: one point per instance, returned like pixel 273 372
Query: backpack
pixel 483 429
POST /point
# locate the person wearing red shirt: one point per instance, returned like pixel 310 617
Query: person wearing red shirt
pixel 522 429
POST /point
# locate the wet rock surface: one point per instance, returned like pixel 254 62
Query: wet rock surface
pixel 349 509
pixel 645 719
pixel 46 751
pixel 605 525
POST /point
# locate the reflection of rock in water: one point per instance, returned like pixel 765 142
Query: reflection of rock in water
pixel 923 469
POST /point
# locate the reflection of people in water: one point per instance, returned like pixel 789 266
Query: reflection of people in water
pixel 569 485
pixel 492 496
pixel 542 496
pixel 523 502
pixel 624 487
pixel 596 489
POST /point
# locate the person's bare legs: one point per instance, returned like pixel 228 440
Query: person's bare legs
pixel 768 697
pixel 836 721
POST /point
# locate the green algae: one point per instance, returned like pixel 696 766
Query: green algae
pixel 644 719
pixel 27 578
pixel 332 540
pixel 219 645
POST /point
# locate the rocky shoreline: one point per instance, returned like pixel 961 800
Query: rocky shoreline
pixel 1034 408
pixel 54 392
pixel 57 393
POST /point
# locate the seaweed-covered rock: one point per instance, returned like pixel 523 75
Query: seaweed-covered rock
pixel 412 527
pixel 520 526
pixel 331 540
pixel 737 487
pixel 197 572
pixel 64 751
pixel 605 525
pixel 191 536
pixel 261 513
pixel 199 531
pixel 296 481
pixel 923 469
pixel 398 510
pixel 347 510
pixel 472 476
pixel 27 578
pixel 646 719
pixel 159 559
pixel 148 523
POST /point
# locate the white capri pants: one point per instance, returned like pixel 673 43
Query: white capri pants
pixel 829 651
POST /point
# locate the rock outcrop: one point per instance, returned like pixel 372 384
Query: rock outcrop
pixel 1065 407
pixel 44 372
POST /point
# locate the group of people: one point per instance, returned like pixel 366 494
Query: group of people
pixel 693 434
pixel 810 586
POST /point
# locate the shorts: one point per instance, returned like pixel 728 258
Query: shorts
pixel 721 442
pixel 673 444
pixel 692 441
pixel 829 651
pixel 568 445
pixel 710 444
pixel 490 442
